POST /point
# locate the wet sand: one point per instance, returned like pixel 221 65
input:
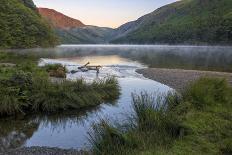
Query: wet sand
pixel 178 79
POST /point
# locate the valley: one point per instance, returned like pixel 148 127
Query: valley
pixel 181 22
pixel 161 83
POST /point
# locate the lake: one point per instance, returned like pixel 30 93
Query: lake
pixel 70 129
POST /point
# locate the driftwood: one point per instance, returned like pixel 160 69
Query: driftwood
pixel 86 68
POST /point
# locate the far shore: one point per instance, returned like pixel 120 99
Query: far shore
pixel 178 79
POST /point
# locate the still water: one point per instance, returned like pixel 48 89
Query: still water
pixel 70 129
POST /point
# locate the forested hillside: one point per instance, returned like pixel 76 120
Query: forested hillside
pixel 85 35
pixel 22 27
pixel 183 22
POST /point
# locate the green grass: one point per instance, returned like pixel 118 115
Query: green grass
pixel 26 88
pixel 199 122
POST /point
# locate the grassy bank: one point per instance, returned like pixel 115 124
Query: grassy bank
pixel 198 122
pixel 26 88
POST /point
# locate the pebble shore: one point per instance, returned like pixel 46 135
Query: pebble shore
pixel 44 151
pixel 178 79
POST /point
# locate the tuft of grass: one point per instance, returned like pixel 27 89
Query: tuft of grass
pixel 106 137
pixel 199 122
pixel 150 126
pixel 52 97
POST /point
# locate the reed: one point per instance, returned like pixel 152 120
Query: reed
pixel 198 122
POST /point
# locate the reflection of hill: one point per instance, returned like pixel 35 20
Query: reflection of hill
pixel 14 133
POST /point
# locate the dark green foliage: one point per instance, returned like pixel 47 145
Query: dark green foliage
pixel 22 27
pixel 198 123
pixel 185 22
pixel 29 4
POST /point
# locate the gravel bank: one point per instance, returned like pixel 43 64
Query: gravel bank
pixel 44 151
pixel 178 78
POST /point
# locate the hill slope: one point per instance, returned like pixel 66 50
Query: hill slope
pixel 186 21
pixel 22 27
pixel 59 20
pixel 85 35
pixel 73 31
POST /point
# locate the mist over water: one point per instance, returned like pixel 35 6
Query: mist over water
pixel 215 58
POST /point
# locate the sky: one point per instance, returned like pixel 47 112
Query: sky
pixel 104 13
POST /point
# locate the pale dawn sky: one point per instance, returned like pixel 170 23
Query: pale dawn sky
pixel 108 13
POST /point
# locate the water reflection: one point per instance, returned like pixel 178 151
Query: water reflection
pixel 14 133
pixel 70 130
pixel 186 57
pixel 97 60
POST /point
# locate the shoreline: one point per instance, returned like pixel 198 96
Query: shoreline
pixel 179 79
pixel 44 151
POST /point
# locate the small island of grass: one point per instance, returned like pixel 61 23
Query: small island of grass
pixel 26 88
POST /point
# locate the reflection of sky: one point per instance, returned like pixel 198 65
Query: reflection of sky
pixel 99 60
pixel 110 13
pixel 111 65
pixel 73 132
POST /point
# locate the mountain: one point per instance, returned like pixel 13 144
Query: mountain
pixel 182 22
pixel 22 27
pixel 73 31
pixel 59 20
pixel 85 35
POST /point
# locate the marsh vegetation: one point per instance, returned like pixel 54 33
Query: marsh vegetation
pixel 26 88
pixel 198 122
